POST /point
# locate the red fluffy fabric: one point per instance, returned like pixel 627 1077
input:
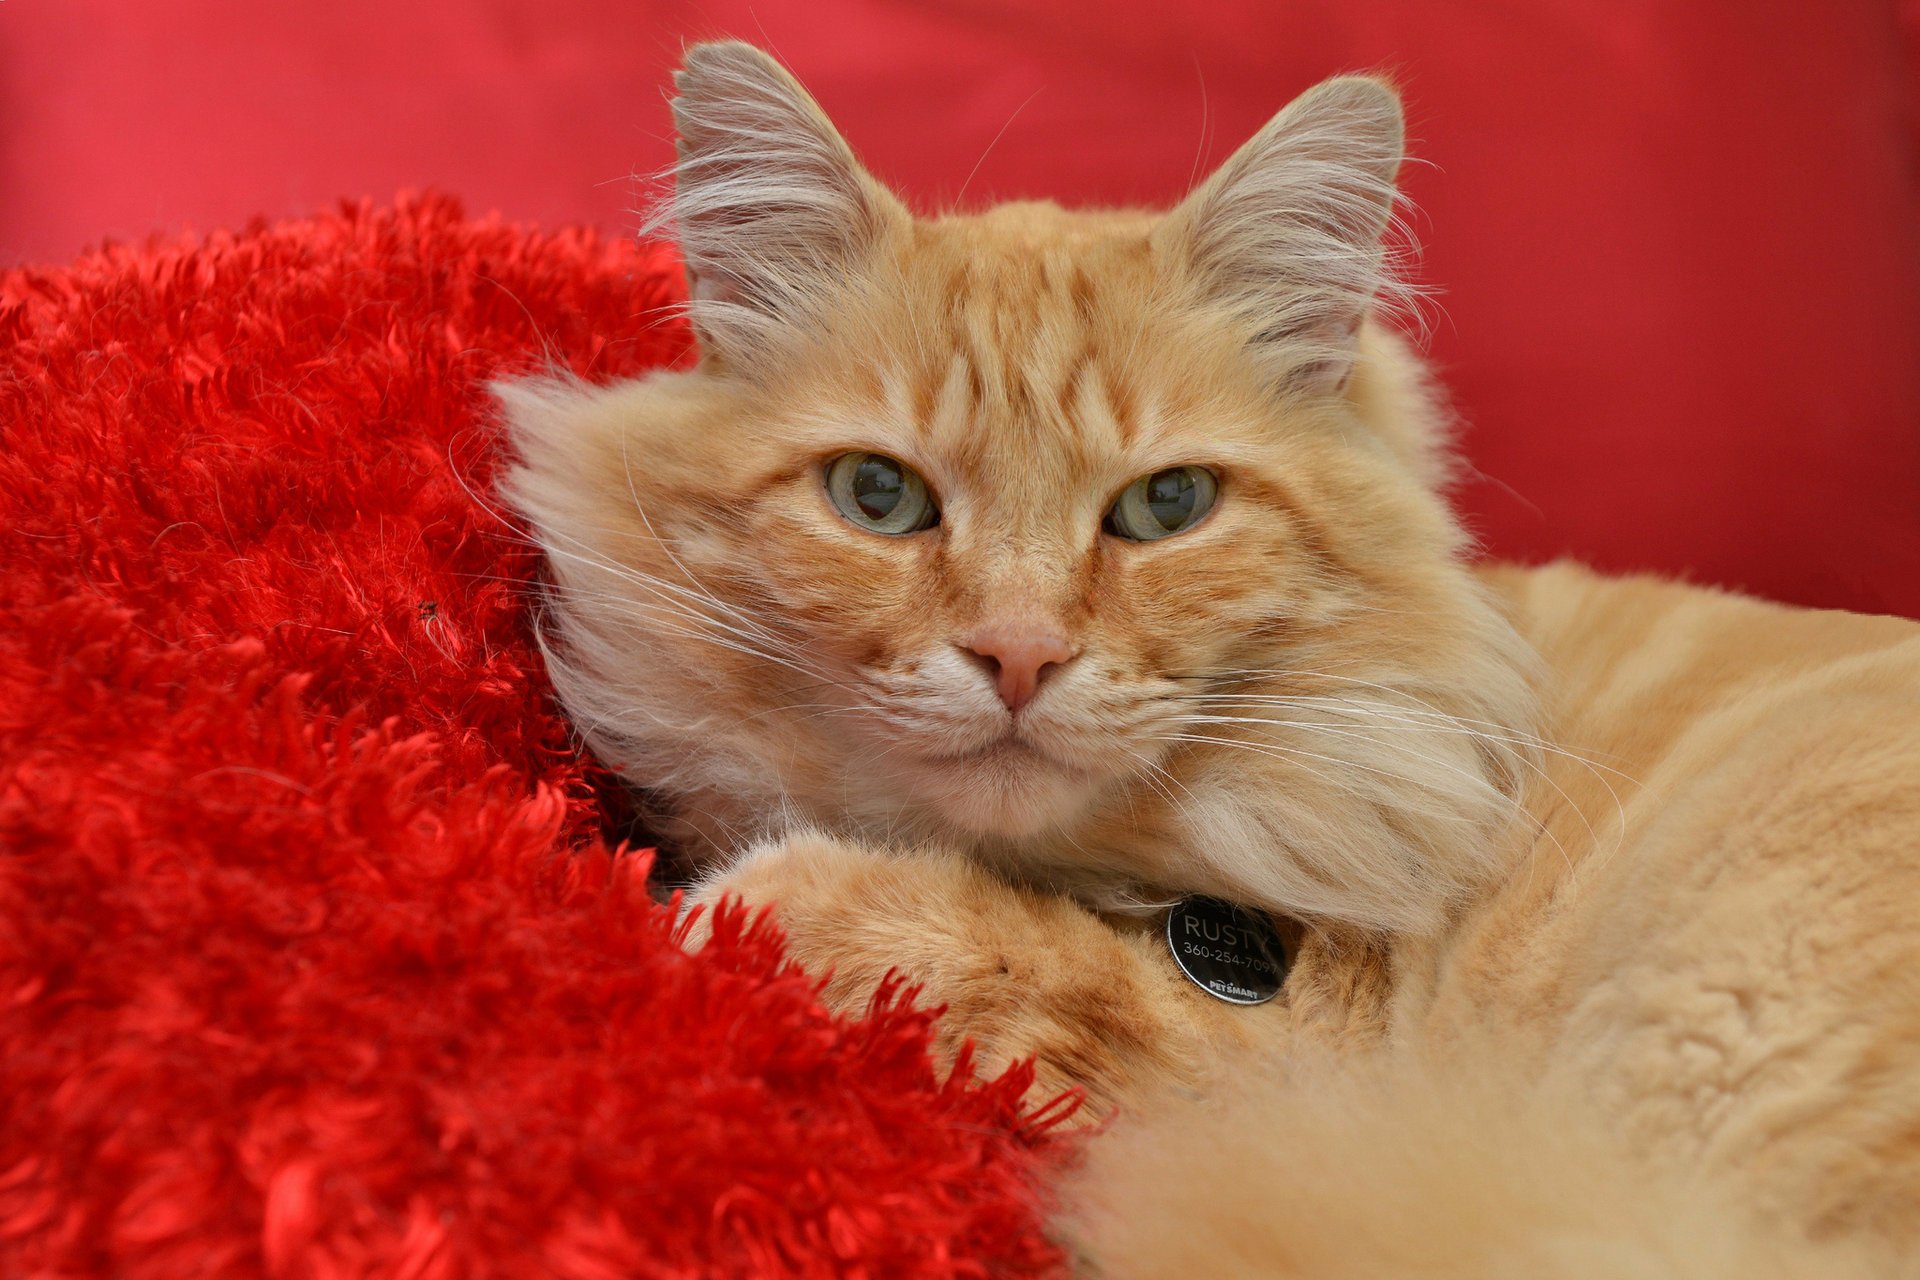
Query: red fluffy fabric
pixel 313 960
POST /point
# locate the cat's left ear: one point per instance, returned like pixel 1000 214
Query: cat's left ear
pixel 1286 235
pixel 771 208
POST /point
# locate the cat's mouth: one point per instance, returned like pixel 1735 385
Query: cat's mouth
pixel 1009 747
pixel 1011 750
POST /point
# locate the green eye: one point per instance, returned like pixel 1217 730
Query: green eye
pixel 879 494
pixel 1162 504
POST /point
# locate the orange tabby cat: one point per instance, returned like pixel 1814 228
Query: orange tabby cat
pixel 995 581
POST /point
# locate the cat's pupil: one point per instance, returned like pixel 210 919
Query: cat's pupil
pixel 1171 495
pixel 878 486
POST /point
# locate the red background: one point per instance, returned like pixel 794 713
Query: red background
pixel 1678 245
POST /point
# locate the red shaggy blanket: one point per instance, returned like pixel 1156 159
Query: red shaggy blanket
pixel 314 960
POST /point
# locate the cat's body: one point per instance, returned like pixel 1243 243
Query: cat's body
pixel 1648 853
pixel 1682 1037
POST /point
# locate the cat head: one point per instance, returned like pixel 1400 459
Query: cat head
pixel 1105 547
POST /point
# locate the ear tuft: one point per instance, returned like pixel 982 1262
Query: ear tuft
pixel 769 203
pixel 1287 234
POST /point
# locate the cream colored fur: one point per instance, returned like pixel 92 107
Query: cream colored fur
pixel 1343 1170
pixel 1599 893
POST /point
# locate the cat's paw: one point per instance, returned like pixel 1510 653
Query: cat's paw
pixel 793 869
pixel 851 912
pixel 1021 973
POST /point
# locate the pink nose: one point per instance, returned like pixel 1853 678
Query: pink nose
pixel 1017 655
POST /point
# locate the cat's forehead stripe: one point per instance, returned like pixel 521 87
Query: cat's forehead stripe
pixel 1027 354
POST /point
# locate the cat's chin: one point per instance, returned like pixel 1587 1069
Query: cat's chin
pixel 1009 790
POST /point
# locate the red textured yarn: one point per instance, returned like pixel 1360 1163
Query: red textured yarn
pixel 313 961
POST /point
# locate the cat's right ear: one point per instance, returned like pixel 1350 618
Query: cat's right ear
pixel 769 204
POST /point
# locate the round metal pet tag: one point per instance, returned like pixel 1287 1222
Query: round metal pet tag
pixel 1230 954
